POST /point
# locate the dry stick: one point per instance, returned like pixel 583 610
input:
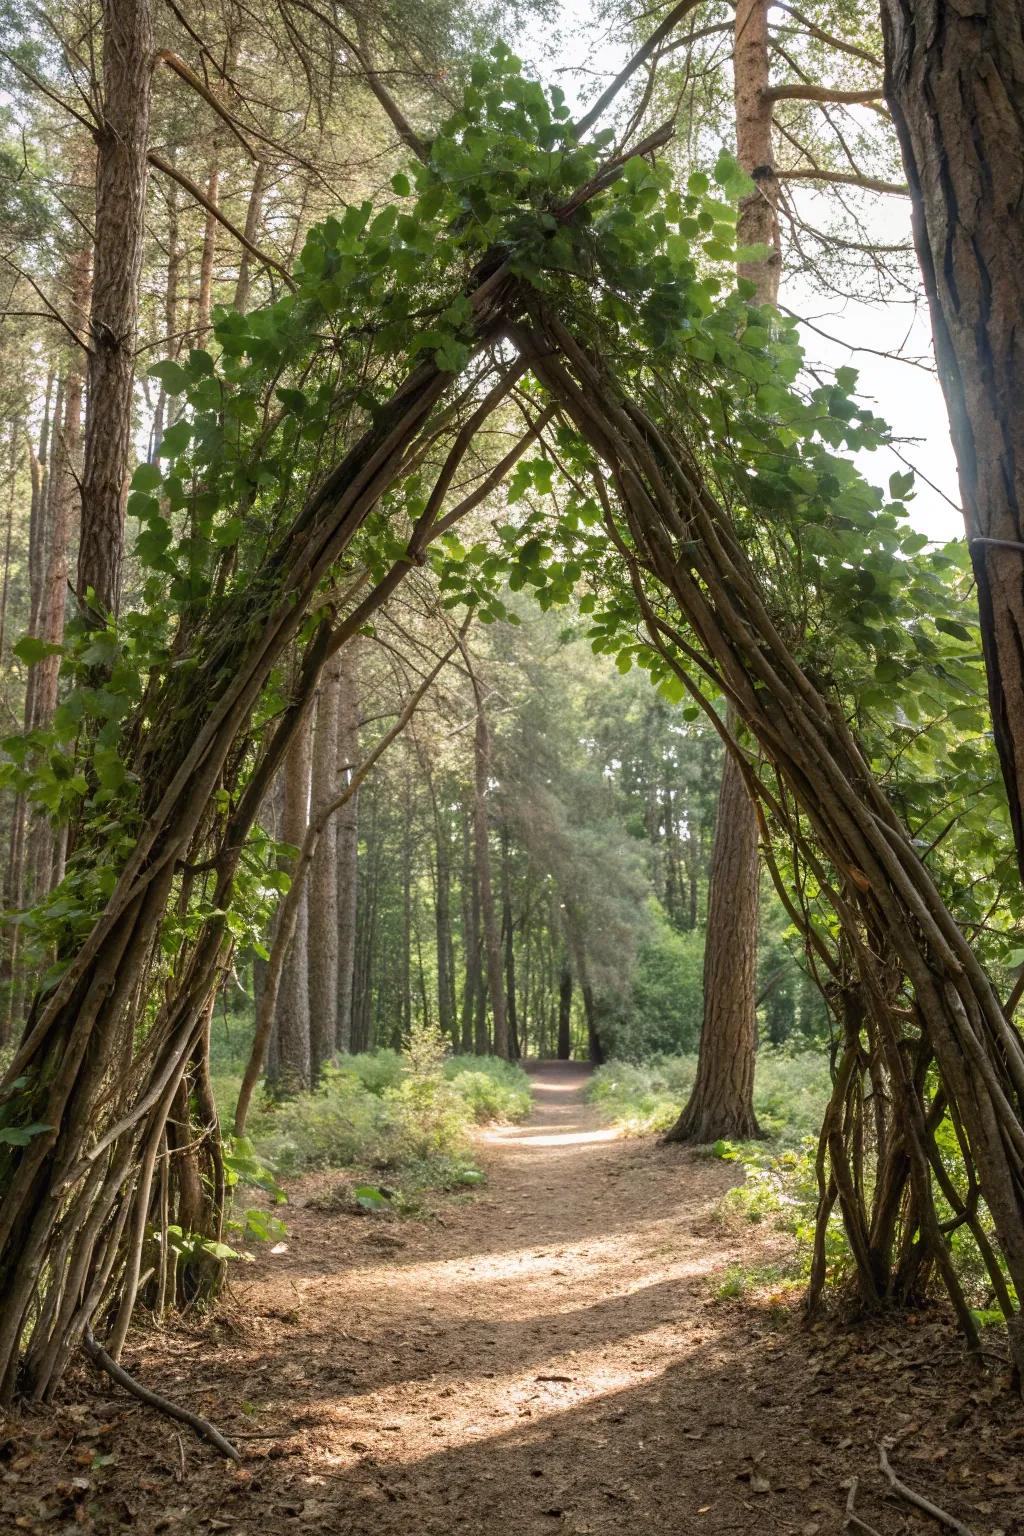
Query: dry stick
pixel 290 906
pixel 203 1428
pixel 918 1499
pixel 853 1521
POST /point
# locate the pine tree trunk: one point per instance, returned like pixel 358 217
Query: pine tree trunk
pixel 470 937
pixel 207 258
pixel 955 83
pixel 443 925
pixel 121 173
pixel 163 416
pixel 62 501
pixel 323 876
pixel 289 1065
pixel 10 928
pixel 721 1106
pixel 482 850
pixel 508 937
pixel 405 973
pixel 347 844
pixel 564 1047
pixel 722 1095
pixel 253 214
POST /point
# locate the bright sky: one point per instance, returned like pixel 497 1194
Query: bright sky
pixel 908 397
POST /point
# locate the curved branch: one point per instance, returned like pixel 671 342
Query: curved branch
pixel 203 1428
pixel 201 198
pixel 639 58
pixel 814 30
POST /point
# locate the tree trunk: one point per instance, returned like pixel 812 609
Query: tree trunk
pixel 252 223
pixel 405 955
pixel 121 170
pixel 206 261
pixel 323 876
pixel 954 83
pixel 722 1099
pixel 62 502
pixel 443 922
pixel 758 220
pixel 508 935
pixel 289 1065
pixel 347 843
pixel 482 848
pixel 163 416
pixel 470 937
pixel 565 1011
pixel 721 1106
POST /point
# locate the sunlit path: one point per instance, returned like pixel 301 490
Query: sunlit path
pixel 550 1353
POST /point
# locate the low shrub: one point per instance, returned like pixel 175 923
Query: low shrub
pixel 408 1115
pixel 492 1090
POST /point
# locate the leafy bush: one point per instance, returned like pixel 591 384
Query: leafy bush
pixel 409 1115
pixel 491 1089
pixel 662 1010
pixel 376 1070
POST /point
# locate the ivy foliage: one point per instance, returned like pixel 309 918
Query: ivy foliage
pixel 643 271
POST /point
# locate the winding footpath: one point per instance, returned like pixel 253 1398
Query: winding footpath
pixel 549 1353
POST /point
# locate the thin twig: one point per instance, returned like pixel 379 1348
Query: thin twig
pixel 918 1499
pixel 853 1522
pixel 203 1428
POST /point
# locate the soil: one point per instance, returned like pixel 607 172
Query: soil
pixel 552 1352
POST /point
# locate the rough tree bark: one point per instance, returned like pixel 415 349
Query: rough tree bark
pixel 289 1065
pixel 322 912
pixel 721 1105
pixel 347 842
pixel 955 83
pixel 491 934
pixel 122 143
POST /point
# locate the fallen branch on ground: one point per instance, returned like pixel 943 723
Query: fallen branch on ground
pixel 203 1428
pixel 917 1499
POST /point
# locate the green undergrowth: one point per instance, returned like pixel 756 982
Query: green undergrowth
pixel 790 1092
pixel 778 1190
pixel 779 1186
pixel 404 1118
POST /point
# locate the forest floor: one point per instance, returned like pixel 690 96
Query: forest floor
pixel 547 1354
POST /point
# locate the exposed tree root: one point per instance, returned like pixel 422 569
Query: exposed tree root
pixel 203 1428
pixel 918 1499
pixel 853 1522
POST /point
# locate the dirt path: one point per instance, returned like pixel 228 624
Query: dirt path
pixel 548 1355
